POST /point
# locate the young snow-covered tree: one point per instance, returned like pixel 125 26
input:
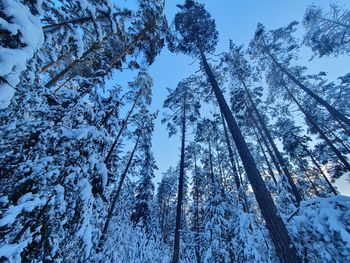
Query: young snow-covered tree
pixel 195 35
pixel 141 214
pixel 167 201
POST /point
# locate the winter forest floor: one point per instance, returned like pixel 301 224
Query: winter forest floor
pixel 174 131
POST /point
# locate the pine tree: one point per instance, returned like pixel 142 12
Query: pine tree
pixel 327 33
pixel 141 215
pixel 196 35
pixel 184 103
pixel 275 51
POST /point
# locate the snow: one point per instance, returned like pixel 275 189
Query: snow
pixel 326 222
pixel 78 37
pixel 85 231
pixel 84 4
pixel 102 171
pixel 13 60
pixel 27 203
pixel 38 6
pixel 13 251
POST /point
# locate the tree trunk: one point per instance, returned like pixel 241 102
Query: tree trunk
pixel 80 20
pixel 71 65
pixel 306 150
pixel 122 128
pixel 267 145
pixel 343 126
pixel 51 63
pixel 337 139
pixel 94 47
pixel 176 248
pixel 333 111
pixel 110 113
pixel 320 132
pixel 211 163
pixel 274 223
pixel 265 157
pixel 308 177
pixel 280 159
pixel 196 200
pixel 115 198
pixel 230 153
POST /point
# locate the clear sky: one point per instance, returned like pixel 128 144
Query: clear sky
pixel 236 20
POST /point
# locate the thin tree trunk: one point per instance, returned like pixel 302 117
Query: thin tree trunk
pixel 115 198
pixel 307 176
pixel 320 132
pixel 176 248
pixel 75 21
pixel 230 153
pixel 51 63
pixel 71 65
pixel 265 157
pixel 211 163
pixel 110 113
pixel 196 223
pixel 121 130
pixel 94 47
pixel 347 131
pixel 80 20
pixel 337 139
pixel 274 223
pixel 241 193
pixel 316 164
pixel 333 111
pixel 280 159
pixel 267 145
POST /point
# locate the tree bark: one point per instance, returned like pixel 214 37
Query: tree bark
pixel 274 223
pixel 196 200
pixel 337 139
pixel 51 63
pixel 211 163
pixel 81 20
pixel 94 47
pixel 71 65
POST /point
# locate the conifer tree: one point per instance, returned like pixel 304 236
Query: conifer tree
pixel 184 103
pixel 196 35
pixel 327 32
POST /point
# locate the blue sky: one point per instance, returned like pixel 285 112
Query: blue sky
pixel 236 20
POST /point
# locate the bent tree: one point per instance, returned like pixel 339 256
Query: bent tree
pixel 195 34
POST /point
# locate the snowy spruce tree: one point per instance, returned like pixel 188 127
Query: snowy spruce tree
pixel 263 151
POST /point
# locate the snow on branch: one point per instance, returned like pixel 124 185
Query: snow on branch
pixel 21 36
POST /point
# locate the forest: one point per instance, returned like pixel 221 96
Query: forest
pixel 262 144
